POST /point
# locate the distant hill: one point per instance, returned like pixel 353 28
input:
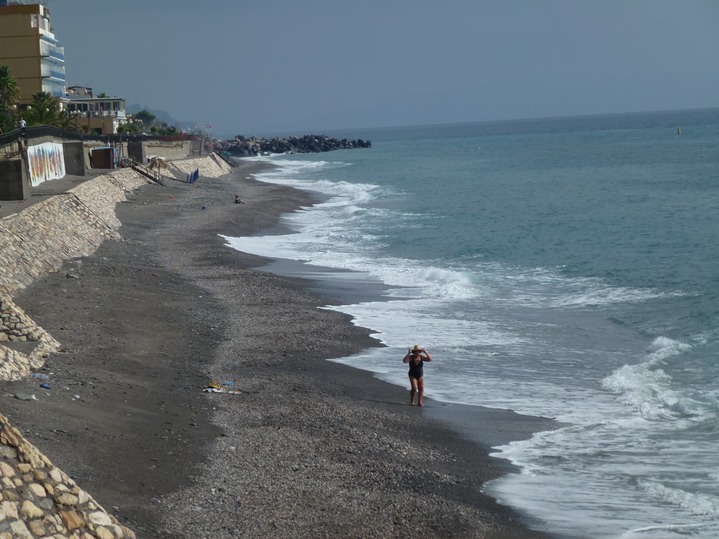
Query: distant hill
pixel 162 116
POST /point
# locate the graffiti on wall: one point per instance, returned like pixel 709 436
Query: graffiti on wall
pixel 46 161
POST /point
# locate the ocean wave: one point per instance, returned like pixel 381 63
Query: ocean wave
pixel 647 388
pixel 669 531
pixel 663 347
pixel 694 504
pixel 347 225
pixel 547 288
pixel 353 248
pixel 597 295
pixel 294 164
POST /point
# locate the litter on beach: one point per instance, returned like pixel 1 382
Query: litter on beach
pixel 214 387
pixel 221 390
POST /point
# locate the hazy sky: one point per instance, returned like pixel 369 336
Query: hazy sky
pixel 264 66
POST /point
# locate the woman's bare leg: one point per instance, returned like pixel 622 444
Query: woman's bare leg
pixel 420 391
pixel 413 390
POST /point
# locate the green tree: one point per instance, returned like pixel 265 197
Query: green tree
pixel 130 127
pixel 145 116
pixel 9 95
pixel 65 121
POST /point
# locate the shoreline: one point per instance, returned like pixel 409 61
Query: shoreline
pixel 308 448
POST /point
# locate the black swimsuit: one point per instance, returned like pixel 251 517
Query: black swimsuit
pixel 416 370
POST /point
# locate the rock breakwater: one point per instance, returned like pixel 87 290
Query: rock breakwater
pixel 242 146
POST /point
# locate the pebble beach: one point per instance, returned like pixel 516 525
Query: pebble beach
pixel 293 445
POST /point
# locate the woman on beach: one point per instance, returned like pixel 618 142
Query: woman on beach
pixel 416 357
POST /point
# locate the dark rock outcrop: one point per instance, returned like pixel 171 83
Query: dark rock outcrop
pixel 242 146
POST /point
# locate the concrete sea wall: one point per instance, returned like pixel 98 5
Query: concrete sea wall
pixel 36 498
pixel 210 166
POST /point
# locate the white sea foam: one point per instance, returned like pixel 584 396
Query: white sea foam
pixel 342 249
pixel 334 233
pixel 547 288
pixel 693 504
pixel 645 386
pixel 669 531
pixel 618 457
pixel 401 320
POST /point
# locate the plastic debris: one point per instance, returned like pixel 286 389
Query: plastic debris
pixel 214 387
pixel 225 391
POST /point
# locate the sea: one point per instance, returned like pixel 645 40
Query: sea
pixel 565 268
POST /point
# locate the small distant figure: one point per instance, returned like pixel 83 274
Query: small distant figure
pixel 238 200
pixel 416 357
pixel 22 124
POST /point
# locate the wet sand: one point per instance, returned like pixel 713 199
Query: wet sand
pixel 303 448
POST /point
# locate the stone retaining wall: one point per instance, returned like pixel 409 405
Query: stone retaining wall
pixel 37 500
pixel 43 236
pixel 39 240
pixel 17 327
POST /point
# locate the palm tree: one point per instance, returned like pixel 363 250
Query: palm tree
pixel 9 94
pixel 65 121
pixel 45 110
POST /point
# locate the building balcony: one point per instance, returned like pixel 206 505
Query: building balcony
pixel 55 56
pixel 54 88
pixel 50 39
pixel 53 74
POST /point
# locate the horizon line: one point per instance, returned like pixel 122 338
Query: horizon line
pixel 495 121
